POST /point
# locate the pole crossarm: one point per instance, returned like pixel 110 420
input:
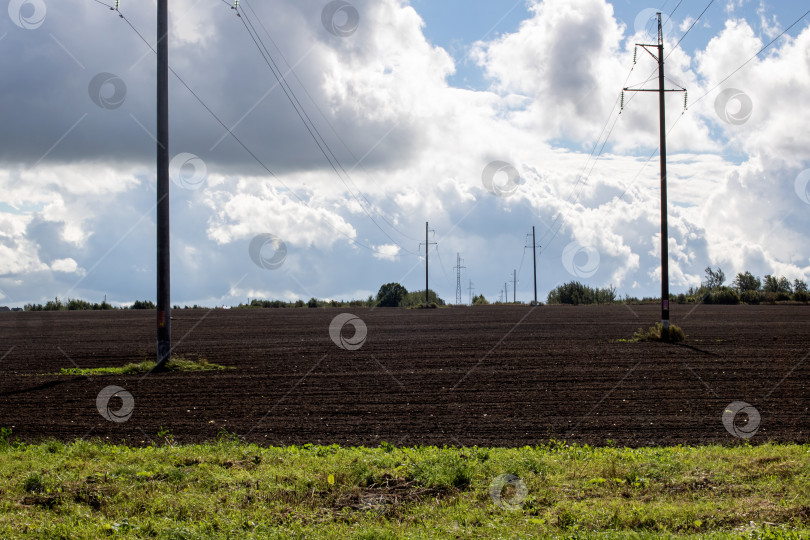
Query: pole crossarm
pixel 652 90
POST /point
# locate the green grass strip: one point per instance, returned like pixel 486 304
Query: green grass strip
pixel 134 368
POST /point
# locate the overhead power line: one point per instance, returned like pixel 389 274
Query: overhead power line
pixel 309 125
pixel 690 27
pixel 241 143
pixel 712 89
pixel 325 118
pixel 763 49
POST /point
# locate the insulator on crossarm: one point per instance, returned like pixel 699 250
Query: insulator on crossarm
pixel 635 54
pixel 235 5
pixel 117 2
pixel 621 107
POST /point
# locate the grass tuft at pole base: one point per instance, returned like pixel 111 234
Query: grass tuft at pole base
pixel 657 333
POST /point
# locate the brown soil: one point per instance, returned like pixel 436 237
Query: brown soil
pixel 494 376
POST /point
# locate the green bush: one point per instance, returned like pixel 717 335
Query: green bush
pixel 767 297
pixel 313 303
pixel 801 296
pixel 749 297
pixel 143 304
pixel 417 298
pixel 722 295
pixel 576 293
pixel 656 333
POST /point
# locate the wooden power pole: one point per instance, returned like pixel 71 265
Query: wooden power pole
pixel 164 319
pixel 663 151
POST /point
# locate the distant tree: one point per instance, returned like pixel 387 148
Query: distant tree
pixel 313 302
pixel 714 278
pixel 480 300
pixel 747 282
pixel 800 292
pixel 773 284
pixel 575 293
pixel 391 295
pixel 145 304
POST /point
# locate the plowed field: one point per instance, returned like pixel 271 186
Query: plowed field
pixel 494 375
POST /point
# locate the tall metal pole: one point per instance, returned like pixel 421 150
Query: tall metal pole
pixel 663 151
pixel 534 259
pixel 514 286
pixel 164 321
pixel 664 228
pixel 505 293
pixel 427 247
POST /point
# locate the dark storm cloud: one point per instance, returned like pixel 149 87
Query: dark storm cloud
pixel 49 111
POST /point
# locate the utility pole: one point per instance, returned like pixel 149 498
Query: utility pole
pixel 514 286
pixel 164 319
pixel 458 268
pixel 534 261
pixel 471 292
pixel 506 293
pixel 427 247
pixel 663 151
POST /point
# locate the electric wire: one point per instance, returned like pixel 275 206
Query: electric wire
pixel 328 123
pixel 674 10
pixel 313 131
pixel 763 49
pixel 239 141
pixel 690 28
pixel 584 179
pixel 104 4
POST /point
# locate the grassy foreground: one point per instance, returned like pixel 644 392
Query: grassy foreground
pixel 227 489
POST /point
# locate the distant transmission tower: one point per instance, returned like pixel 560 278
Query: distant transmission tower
pixel 458 268
pixel 471 292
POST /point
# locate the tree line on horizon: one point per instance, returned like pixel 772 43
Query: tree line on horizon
pixel 746 288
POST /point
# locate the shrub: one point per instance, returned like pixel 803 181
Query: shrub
pixel 313 303
pixel 749 297
pixel 656 333
pixel 143 304
pixel 417 299
pixel 801 296
pixel 576 293
pixel 723 295
pixel 767 297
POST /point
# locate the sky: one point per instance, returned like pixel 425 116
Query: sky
pixel 483 118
